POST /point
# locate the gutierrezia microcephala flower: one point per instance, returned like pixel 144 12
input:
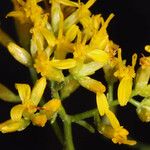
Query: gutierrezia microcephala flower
pixel 52 69
pixel 23 114
pixel 126 75
pixel 114 131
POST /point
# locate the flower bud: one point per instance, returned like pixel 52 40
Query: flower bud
pixel 20 54
pixel 7 95
pixel 141 82
pixel 143 110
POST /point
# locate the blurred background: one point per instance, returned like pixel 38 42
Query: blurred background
pixel 130 28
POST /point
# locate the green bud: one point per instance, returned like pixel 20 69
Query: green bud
pixel 7 95
pixel 109 71
pixel 20 54
pixel 70 85
pixel 143 110
pixel 141 82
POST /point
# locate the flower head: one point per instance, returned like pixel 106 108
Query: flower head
pixel 114 131
pixel 125 74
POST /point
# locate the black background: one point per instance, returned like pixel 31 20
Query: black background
pixel 130 28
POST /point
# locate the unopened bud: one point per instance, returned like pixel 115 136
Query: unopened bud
pixel 143 110
pixel 20 54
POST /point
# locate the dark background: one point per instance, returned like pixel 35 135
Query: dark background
pixel 130 28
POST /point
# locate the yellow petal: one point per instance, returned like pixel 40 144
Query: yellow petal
pixel 124 90
pixel 20 54
pixel 38 90
pixel 147 48
pixel 91 84
pixel 18 14
pixel 64 64
pixel 102 103
pixel 51 107
pixel 50 38
pixel 24 91
pixel 89 3
pixel 12 126
pixel 113 120
pixel 99 56
pixel 39 119
pixel 68 3
pixel 7 95
pixel 17 112
pixel 72 32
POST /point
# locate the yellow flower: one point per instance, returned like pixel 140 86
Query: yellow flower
pixel 26 10
pixel 114 131
pixel 52 69
pixel 100 39
pixel 125 74
pixel 118 135
pixel 21 113
pixel 30 99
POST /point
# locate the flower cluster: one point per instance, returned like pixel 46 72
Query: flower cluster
pixel 65 35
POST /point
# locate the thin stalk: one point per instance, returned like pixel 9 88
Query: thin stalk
pixel 33 74
pixel 58 132
pixel 5 38
pixel 84 115
pixel 134 102
pixel 68 145
pixel 110 92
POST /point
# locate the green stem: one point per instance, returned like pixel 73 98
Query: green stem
pixel 67 129
pixel 84 115
pixel 134 102
pixel 68 145
pixel 57 131
pixel 33 74
pixel 5 38
pixel 110 92
pixel 114 103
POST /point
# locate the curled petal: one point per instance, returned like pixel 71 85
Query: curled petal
pixel 17 112
pixel 124 90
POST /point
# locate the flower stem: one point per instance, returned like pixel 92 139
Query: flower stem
pixel 4 38
pixel 68 145
pixel 84 115
pixel 110 92
pixel 134 102
pixel 57 131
